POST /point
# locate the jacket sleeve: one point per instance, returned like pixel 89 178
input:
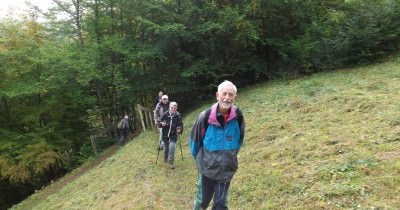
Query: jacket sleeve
pixel 197 135
pixel 180 123
pixel 156 112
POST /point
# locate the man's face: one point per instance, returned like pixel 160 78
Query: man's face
pixel 160 94
pixel 164 100
pixel 226 97
pixel 172 109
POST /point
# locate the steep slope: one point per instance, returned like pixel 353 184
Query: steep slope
pixel 329 141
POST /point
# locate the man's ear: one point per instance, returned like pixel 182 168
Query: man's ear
pixel 216 95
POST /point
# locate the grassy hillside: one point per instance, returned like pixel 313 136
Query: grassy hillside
pixel 329 141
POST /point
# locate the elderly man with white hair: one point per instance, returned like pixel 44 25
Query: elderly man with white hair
pixel 215 141
pixel 172 126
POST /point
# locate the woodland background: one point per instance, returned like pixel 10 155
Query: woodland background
pixel 92 61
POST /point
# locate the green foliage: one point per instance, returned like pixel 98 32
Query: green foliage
pixel 301 151
pixel 69 78
pixel 42 109
pixel 25 158
pixel 355 32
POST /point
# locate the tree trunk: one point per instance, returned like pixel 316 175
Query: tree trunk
pixel 78 17
pixel 96 23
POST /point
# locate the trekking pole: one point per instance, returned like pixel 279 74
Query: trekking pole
pixel 158 151
pixel 180 144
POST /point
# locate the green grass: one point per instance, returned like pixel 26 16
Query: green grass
pixel 328 141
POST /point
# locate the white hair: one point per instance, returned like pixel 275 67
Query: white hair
pixel 173 103
pixel 225 84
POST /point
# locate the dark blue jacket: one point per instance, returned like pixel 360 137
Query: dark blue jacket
pixel 174 122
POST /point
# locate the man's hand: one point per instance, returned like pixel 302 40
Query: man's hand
pixel 163 124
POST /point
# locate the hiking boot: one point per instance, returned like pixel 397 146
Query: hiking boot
pixel 165 160
pixel 171 164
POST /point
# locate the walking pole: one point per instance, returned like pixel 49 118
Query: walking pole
pixel 180 144
pixel 158 151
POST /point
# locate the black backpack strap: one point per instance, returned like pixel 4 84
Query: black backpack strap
pixel 206 116
pixel 205 123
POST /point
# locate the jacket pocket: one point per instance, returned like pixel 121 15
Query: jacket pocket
pixel 230 160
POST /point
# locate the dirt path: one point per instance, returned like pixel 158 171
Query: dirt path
pixel 59 184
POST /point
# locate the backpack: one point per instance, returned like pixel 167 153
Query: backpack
pixel 121 124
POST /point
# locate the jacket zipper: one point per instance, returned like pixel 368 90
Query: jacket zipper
pixel 170 124
pixel 223 146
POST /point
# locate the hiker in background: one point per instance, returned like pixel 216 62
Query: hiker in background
pixel 161 107
pixel 215 141
pixel 172 126
pixel 123 130
pixel 157 99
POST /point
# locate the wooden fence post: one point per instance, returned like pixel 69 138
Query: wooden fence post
pixel 145 117
pixel 141 117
